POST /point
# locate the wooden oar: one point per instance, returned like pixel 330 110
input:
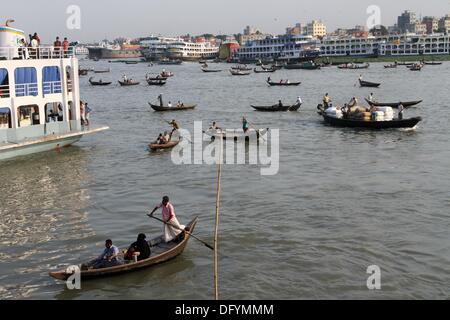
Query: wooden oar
pixel 187 232
pixel 257 132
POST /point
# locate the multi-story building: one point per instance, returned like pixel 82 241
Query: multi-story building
pixel 431 23
pixel 316 29
pixel 417 28
pixel 297 30
pixel 405 20
pixel 444 24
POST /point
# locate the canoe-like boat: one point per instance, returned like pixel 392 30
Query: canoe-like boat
pixel 175 108
pixel 271 83
pixel 393 124
pixel 354 66
pixel 405 63
pixel 264 70
pixel 369 84
pixel 161 252
pixel 169 145
pixel 128 83
pixel 241 68
pixel 236 134
pixel 390 66
pixel 210 70
pixel 432 63
pixel 405 104
pixel 239 73
pixel 415 67
pixel 277 108
pixel 98 83
pixel 303 66
pixel 156 82
pixel 102 71
pixel 167 74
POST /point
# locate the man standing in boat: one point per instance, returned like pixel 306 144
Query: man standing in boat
pixel 172 227
pixel 401 108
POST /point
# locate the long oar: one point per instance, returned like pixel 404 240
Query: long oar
pixel 257 132
pixel 187 232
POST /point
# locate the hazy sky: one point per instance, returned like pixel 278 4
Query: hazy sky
pixel 133 18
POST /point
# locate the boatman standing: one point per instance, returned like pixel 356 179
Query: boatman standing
pixel 400 111
pixel 172 227
pixel 175 126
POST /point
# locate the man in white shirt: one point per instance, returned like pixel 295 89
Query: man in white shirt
pixel 35 48
pixel 170 104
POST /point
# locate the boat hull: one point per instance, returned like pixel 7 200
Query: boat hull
pixel 375 125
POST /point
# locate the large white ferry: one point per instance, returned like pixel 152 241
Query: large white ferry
pixel 192 51
pixel 39 97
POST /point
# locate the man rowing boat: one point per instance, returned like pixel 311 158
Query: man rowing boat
pixel 172 227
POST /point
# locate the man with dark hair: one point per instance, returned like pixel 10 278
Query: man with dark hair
pixel 140 250
pixel 57 47
pixel 172 227
pixel 109 258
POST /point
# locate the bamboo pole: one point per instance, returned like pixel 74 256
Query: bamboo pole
pixel 216 237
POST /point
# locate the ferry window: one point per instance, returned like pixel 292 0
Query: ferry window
pixel 54 112
pixel 28 116
pixel 51 80
pixel 69 78
pixel 4 84
pixel 26 82
pixel 5 118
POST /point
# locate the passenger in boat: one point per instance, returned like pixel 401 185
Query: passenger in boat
pixel 215 127
pixel 83 113
pixel 175 126
pixel 373 113
pixel 280 103
pixel 170 104
pixel 269 79
pixel 167 137
pixel 172 227
pixel 401 108
pixel 370 98
pixel 87 112
pixel 245 125
pixel 108 258
pixel 159 139
pixel 353 102
pixel 326 101
pixel 139 250
pixel 125 78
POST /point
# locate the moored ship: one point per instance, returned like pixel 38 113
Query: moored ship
pixel 39 97
pixel 123 51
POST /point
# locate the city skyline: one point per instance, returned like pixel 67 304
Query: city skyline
pixel 170 18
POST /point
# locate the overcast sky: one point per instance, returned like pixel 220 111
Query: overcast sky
pixel 134 18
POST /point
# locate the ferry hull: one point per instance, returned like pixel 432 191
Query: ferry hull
pixel 103 53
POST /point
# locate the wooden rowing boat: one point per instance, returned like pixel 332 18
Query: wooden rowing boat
pixel 354 66
pixel 277 108
pixel 128 83
pixel 161 252
pixel 283 83
pixel 210 70
pixel 392 124
pixel 98 83
pixel 167 109
pixel 156 82
pixel 264 70
pixel 237 134
pixel 239 73
pixel 169 145
pixel 405 104
pixel 432 63
pixel 369 84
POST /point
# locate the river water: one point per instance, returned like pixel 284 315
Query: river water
pixel 343 199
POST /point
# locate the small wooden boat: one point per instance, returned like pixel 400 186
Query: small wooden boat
pixel 405 104
pixel 276 66
pixel 273 84
pixel 415 67
pixel 170 62
pixel 264 70
pixel 369 124
pixel 98 83
pixel 167 74
pixel 405 63
pixel 277 108
pixel 128 83
pixel 156 78
pixel 241 68
pixel 239 73
pixel 83 72
pixel 369 84
pixel 169 145
pixel 102 71
pixel 390 66
pixel 161 252
pixel 159 82
pixel 236 134
pixel 432 63
pixel 131 62
pixel 210 70
pixel 158 108
pixel 354 66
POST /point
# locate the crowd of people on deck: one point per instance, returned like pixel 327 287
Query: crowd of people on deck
pixel 141 249
pixel 30 49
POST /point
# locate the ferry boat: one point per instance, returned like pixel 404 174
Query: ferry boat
pixel 192 51
pixel 39 97
pixel 107 51
pixel 283 48
pixel 155 48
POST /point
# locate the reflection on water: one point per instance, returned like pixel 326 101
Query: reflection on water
pixel 42 210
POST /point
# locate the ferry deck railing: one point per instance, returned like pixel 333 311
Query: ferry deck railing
pixel 26 89
pixel 51 87
pixel 4 91
pixel 42 52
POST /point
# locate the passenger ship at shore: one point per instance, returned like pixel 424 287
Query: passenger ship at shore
pixel 39 97
pixel 192 51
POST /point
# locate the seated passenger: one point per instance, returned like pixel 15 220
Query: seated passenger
pixel 109 258
pixel 139 250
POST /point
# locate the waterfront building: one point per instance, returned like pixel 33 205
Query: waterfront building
pixel 316 29
pixel 39 97
pixel 406 20
pixel 298 29
pixel 431 24
pixel 444 24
